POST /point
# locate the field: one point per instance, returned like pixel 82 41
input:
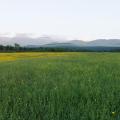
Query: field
pixel 60 86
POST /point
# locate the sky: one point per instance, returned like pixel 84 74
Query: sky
pixel 71 19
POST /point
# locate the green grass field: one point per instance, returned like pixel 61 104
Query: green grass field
pixel 60 86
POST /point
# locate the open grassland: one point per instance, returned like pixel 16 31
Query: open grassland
pixel 59 86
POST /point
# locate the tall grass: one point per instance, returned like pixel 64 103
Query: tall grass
pixel 80 86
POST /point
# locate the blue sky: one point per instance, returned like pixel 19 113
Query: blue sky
pixel 77 19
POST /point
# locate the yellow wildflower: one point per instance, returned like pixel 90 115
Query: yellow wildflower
pixel 113 113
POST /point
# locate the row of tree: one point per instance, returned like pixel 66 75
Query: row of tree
pixel 8 48
pixel 17 48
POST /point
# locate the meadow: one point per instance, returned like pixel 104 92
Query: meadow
pixel 60 86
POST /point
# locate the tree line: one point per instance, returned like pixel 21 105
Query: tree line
pixel 17 48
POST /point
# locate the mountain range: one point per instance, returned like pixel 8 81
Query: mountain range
pixel 26 40
pixel 93 43
pixel 47 41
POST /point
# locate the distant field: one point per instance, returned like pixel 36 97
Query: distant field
pixel 29 55
pixel 60 86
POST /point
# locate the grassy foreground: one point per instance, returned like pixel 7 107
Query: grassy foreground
pixel 59 86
